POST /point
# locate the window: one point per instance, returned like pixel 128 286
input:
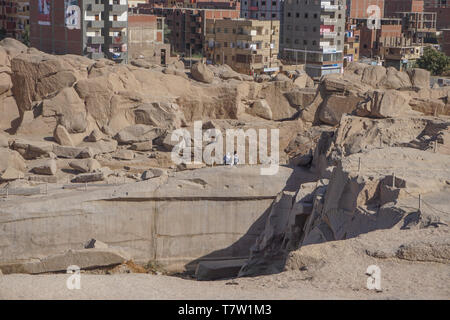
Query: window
pixel 297 15
pixel 289 14
pixel 306 15
pixel 305 42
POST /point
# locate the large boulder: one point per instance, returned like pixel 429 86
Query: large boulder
pixel 372 75
pixel 37 76
pixel 62 136
pixel 160 114
pixel 395 79
pixel 85 165
pixel 384 104
pixel 138 133
pixel 420 78
pixel 11 159
pixel 200 72
pixel 68 109
pixel 44 166
pixel 10 116
pixel 32 149
pixel 5 81
pixel 334 106
pixel 83 258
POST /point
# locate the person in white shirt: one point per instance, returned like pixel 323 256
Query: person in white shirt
pixel 235 159
pixel 227 159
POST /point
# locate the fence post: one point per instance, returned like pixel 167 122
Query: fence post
pixel 85 186
pixel 435 146
pixel 359 164
pixel 393 179
pixel 420 200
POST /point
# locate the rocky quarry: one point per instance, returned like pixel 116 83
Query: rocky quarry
pixel 85 153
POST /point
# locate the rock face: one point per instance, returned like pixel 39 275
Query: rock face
pixel 261 109
pixel 384 104
pixel 419 78
pixel 228 202
pixel 200 72
pixel 160 114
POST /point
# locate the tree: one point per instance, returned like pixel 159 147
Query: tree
pixel 434 61
pixel 26 36
pixel 167 32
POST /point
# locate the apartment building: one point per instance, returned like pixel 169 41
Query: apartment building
pixel 146 39
pixel 14 17
pixel 442 10
pixel 313 34
pixel 92 28
pixel 445 41
pixel 187 25
pixel 262 9
pixel 401 57
pixel 351 44
pixel 247 46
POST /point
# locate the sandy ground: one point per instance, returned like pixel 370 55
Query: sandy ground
pixel 399 281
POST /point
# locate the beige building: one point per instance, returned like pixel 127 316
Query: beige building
pixel 248 46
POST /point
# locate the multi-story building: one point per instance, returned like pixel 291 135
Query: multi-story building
pixel 14 17
pixel 351 44
pixel 401 57
pixel 93 28
pixel 442 9
pixel 313 34
pixel 146 39
pixel 262 9
pixel 445 41
pixel 187 25
pixel 248 46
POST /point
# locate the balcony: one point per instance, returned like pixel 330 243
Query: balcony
pixel 325 35
pixel 328 21
pixel 117 24
pixel 118 8
pixel 96 40
pixel 329 7
pixel 96 7
pixel 96 24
